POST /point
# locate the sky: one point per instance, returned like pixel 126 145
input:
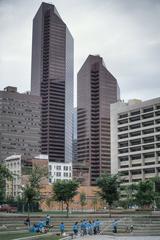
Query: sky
pixel 126 33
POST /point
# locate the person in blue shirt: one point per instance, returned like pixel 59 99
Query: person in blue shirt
pixel 114 226
pixel 97 224
pixel 61 227
pixel 75 228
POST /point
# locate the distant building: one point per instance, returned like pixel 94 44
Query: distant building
pixel 74 142
pixel 19 123
pixel 20 168
pixel 52 79
pixel 59 171
pixel 96 90
pixel 135 140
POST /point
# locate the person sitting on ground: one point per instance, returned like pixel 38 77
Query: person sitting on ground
pixel 131 228
pixel 27 221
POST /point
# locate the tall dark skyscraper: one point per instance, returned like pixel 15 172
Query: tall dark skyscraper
pixel 52 79
pixel 96 90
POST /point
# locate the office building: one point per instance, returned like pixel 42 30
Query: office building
pixel 74 135
pixel 19 123
pixel 52 79
pixel 96 90
pixel 135 140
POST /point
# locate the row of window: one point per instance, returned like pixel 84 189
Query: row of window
pixel 138 111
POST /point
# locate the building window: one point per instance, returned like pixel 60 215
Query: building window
pixel 58 174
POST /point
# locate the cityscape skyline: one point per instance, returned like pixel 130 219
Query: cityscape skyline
pixel 130 45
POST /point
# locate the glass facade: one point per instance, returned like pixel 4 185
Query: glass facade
pixel 52 79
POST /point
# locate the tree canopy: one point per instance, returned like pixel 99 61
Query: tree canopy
pixel 109 188
pixel 5 174
pixel 31 191
pixel 145 193
pixel 83 199
pixel 64 191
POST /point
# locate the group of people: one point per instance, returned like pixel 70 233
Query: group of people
pixel 83 228
pixel 42 226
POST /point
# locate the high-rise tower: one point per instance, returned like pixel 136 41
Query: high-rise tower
pixel 52 79
pixel 96 90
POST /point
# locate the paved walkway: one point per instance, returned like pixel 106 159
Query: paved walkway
pixel 103 237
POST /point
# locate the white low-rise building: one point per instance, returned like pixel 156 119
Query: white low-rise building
pixel 59 171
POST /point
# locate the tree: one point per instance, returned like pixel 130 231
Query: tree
pixel 83 199
pixel 36 176
pixel 109 186
pixel 156 181
pixel 31 191
pixel 64 191
pixel 94 202
pixel 131 191
pixel 5 174
pixel 145 193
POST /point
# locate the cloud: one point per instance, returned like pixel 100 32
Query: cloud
pixel 125 33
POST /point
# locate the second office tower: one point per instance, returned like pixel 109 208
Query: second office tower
pixel 96 90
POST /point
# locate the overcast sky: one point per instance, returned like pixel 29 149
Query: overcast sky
pixel 126 33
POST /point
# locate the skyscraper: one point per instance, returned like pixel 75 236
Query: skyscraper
pixel 96 90
pixel 52 79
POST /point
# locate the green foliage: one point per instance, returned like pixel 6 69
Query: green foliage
pixel 109 186
pixel 145 193
pixel 130 191
pixel 95 202
pixel 36 176
pixel 64 191
pixel 83 199
pixel 31 192
pixel 5 174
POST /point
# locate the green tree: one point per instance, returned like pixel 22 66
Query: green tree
pixel 131 191
pixel 30 195
pixel 36 176
pixel 95 202
pixel 31 191
pixel 5 174
pixel 145 193
pixel 109 186
pixel 156 181
pixel 64 191
pixel 83 200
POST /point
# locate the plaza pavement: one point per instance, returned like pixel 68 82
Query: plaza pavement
pixel 103 237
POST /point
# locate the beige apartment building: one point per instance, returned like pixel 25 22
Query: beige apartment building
pixel 20 168
pixel 135 140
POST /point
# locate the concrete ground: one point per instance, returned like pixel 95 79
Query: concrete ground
pixel 103 237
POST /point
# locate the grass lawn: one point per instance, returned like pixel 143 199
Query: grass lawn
pixel 11 236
